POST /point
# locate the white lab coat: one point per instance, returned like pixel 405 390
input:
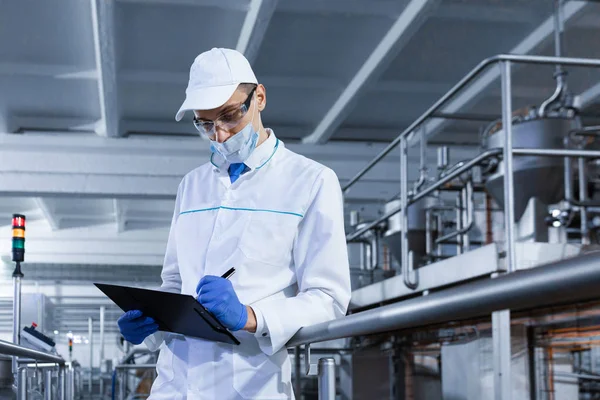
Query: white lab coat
pixel 281 226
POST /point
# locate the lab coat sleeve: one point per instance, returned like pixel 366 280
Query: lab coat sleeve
pixel 171 280
pixel 322 270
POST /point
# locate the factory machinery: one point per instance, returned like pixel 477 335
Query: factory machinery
pixel 482 280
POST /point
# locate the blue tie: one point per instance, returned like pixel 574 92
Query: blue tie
pixel 235 170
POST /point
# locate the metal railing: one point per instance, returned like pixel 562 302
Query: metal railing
pixel 394 316
pixel 49 364
pixel 566 281
pixel 507 153
pixel 11 349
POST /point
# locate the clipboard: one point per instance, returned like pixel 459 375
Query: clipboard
pixel 176 313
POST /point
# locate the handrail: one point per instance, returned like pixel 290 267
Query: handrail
pixel 580 62
pixel 135 366
pixel 427 191
pixel 12 349
pixel 562 282
pixel 467 166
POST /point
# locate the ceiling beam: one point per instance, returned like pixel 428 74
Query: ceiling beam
pixel 24 123
pixel 227 5
pixel 254 28
pixel 279 82
pixel 472 93
pixel 103 24
pixel 142 168
pixel 100 245
pixel 399 34
pixel 590 96
pixel 48 214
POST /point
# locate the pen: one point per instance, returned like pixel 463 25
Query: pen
pixel 226 275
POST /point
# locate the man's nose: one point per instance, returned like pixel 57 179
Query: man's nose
pixel 221 135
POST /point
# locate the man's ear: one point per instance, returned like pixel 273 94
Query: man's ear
pixel 261 97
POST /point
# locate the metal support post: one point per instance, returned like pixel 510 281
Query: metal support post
pixel 585 234
pixel 62 395
pixel 90 337
pixel 71 383
pixel 102 310
pixel 123 384
pixel 459 225
pixel 568 174
pixel 22 384
pixel 468 211
pixel 501 319
pixel 297 368
pixel 17 275
pixel 326 376
pixel 406 260
pixel 48 384
pixel 502 354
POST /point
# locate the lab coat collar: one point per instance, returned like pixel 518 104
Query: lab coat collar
pixel 258 158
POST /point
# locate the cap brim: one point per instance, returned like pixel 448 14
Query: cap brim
pixel 206 98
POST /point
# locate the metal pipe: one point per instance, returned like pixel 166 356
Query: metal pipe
pixel 71 383
pixel 375 249
pixel 428 232
pixel 90 336
pixel 135 366
pixel 548 60
pixel 16 317
pixel 567 174
pixel 501 319
pixel 48 384
pixel 422 160
pixel 459 206
pixel 297 372
pixel 427 191
pixel 101 357
pixel 556 153
pixel 585 234
pixel 559 74
pixel 509 183
pixel 406 259
pixel 22 384
pixel 468 214
pixel 562 282
pixel 522 59
pixel 440 226
pixel 11 349
pixel 326 376
pixel 442 158
pixel 62 384
pixel 123 385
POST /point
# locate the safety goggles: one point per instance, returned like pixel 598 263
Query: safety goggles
pixel 225 121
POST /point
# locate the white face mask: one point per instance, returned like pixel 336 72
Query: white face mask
pixel 237 148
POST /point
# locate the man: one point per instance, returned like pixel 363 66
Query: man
pixel 276 216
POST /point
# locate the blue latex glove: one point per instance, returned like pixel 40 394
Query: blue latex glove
pixel 216 294
pixel 135 327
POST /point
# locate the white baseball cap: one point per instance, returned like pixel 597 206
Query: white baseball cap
pixel 214 76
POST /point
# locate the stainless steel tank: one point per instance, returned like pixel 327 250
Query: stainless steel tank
pixel 534 176
pixel 416 228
